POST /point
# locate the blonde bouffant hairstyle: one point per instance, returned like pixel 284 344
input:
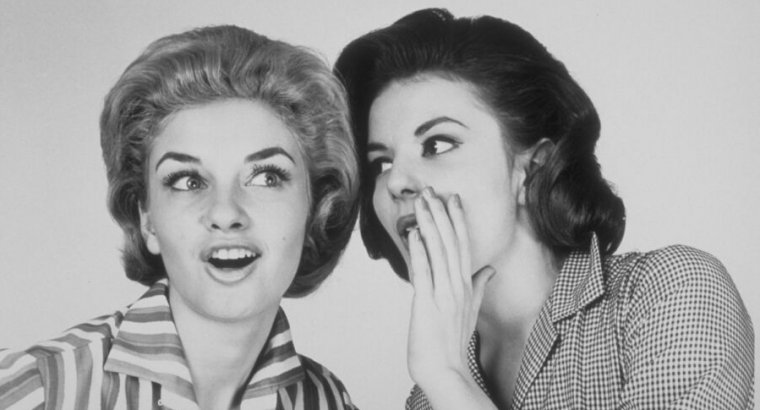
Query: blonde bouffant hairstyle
pixel 227 62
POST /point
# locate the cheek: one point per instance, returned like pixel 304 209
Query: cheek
pixel 382 204
pixel 285 223
pixel 294 235
pixel 175 225
pixel 491 221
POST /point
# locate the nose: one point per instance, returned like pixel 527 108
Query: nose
pixel 225 212
pixel 403 181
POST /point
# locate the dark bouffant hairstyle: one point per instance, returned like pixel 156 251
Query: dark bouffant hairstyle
pixel 227 62
pixel 533 97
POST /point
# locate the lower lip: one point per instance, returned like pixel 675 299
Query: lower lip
pixel 405 241
pixel 231 276
pixel 405 236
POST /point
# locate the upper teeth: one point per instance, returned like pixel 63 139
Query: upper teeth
pixel 233 253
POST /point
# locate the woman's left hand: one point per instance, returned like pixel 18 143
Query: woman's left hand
pixel 447 298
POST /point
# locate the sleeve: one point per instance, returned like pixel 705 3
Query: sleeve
pixel 688 342
pixel 20 381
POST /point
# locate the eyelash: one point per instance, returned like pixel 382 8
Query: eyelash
pixel 376 165
pixel 173 177
pixel 282 174
pixel 438 138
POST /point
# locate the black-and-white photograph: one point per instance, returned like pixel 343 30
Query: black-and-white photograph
pixel 485 204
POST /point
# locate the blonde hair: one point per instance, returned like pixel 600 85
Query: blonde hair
pixel 227 62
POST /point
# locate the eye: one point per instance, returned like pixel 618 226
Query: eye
pixel 268 179
pixel 380 165
pixel 437 145
pixel 269 176
pixel 184 181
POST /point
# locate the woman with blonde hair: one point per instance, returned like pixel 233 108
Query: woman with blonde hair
pixel 232 172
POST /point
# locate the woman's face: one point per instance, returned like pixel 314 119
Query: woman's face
pixel 430 131
pixel 227 208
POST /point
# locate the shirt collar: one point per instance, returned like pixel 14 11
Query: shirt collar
pixel 579 283
pixel 147 346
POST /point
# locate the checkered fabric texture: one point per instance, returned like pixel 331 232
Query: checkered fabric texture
pixel 659 330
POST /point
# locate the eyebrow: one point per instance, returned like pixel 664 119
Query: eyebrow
pixel 423 128
pixel 268 153
pixel 376 146
pixel 179 157
pixel 256 156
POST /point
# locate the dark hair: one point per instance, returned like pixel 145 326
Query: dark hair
pixel 227 62
pixel 533 97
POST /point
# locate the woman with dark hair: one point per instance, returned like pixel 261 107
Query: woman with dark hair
pixel 480 185
pixel 232 172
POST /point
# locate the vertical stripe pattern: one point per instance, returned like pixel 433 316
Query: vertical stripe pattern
pixel 133 359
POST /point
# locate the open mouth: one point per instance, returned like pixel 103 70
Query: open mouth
pixel 404 226
pixel 232 258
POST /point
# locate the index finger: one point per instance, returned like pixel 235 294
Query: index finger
pixel 456 213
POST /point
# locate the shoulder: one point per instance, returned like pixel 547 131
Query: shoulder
pixel 651 277
pixel 318 379
pixel 82 336
pixel 25 372
pixel 675 281
pixel 679 312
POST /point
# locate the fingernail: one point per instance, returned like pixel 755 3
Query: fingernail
pixel 428 192
pixel 457 201
pixel 422 203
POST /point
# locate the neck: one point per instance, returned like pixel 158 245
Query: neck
pixel 524 279
pixel 525 274
pixel 221 355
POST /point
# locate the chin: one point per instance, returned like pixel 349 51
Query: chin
pixel 233 314
pixel 236 307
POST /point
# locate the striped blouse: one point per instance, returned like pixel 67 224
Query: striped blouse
pixel 133 359
pixel 656 330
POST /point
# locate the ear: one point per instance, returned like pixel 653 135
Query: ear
pixel 148 232
pixel 528 162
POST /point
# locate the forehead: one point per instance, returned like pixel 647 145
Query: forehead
pixel 231 128
pixel 404 104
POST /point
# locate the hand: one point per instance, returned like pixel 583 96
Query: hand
pixel 447 296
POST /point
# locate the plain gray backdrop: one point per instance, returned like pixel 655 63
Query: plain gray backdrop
pixel 677 85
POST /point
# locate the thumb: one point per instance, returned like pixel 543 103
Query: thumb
pixel 479 281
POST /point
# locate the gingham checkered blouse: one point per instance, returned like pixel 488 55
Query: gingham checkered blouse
pixel 133 359
pixel 664 329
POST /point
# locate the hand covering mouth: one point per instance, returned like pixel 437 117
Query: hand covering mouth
pixel 232 257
